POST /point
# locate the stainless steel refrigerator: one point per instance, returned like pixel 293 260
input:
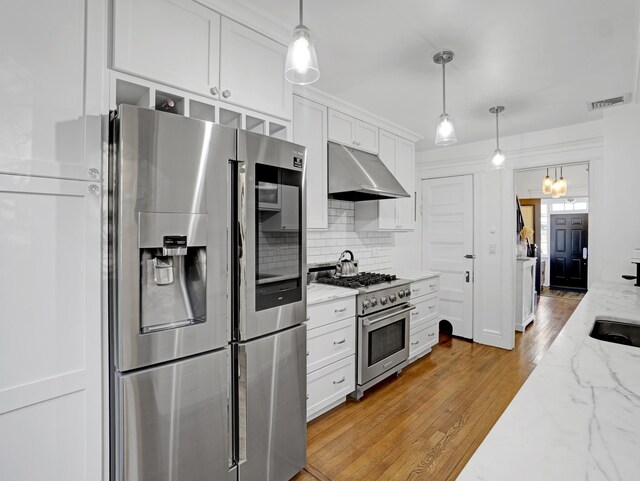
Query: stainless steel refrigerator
pixel 207 299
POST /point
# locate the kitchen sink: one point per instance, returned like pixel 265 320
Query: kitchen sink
pixel 616 331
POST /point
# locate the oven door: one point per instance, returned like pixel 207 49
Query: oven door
pixel 384 342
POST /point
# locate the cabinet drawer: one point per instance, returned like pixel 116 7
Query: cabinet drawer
pixel 329 384
pixel 331 311
pixel 427 308
pixel 423 339
pixel 425 287
pixel 330 343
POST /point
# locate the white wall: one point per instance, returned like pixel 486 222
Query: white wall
pixel 494 194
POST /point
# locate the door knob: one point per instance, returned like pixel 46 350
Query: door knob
pixel 584 253
pixel 467 276
pixel 470 256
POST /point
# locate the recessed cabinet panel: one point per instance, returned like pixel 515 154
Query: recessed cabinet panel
pixel 342 128
pixel 367 136
pixel 252 70
pixel 388 154
pixel 405 174
pixel 42 60
pixel 172 41
pixel 310 130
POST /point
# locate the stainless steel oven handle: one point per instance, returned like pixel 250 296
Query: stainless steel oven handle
pixel 369 321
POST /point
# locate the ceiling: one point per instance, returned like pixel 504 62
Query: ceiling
pixel 544 59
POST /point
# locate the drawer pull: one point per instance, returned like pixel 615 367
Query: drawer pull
pixel 341 310
pixel 433 285
pixel 307 353
pixel 432 307
pixel 340 381
pixel 431 334
pixel 415 290
pixel 415 313
pixel 342 341
pixel 415 342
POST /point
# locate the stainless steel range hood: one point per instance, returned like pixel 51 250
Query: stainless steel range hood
pixel 355 176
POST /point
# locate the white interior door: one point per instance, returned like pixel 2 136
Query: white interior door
pixel 447 246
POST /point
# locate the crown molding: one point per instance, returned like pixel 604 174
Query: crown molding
pixel 331 101
pixel 253 17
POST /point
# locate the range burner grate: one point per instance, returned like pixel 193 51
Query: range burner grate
pixel 361 280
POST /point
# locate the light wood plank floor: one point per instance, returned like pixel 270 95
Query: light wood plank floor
pixel 426 424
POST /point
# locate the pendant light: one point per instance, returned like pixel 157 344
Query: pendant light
pixel 497 161
pixel 555 187
pixel 302 63
pixel 562 185
pixel 445 132
pixel 547 184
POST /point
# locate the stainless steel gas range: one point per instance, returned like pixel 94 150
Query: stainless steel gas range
pixel 383 318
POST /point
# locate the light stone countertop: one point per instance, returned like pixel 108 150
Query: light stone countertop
pixel 415 276
pixel 577 417
pixel 317 293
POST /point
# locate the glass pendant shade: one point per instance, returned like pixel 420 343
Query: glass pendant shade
pixel 302 63
pixel 497 161
pixel 555 189
pixel 562 186
pixel 547 185
pixel 445 132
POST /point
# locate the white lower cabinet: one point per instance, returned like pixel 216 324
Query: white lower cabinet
pixel 331 360
pixel 425 318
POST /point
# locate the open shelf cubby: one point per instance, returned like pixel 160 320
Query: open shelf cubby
pixel 230 118
pixel 254 124
pixel 278 131
pixel 132 94
pixel 171 103
pixel 202 111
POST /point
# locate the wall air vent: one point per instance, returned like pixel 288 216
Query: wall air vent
pixel 605 103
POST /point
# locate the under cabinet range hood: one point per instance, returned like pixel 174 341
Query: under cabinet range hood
pixel 355 176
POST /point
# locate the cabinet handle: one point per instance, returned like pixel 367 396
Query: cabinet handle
pixel 307 353
pixel 415 290
pixel 214 91
pixel 432 307
pixel 433 285
pixel 226 94
pixel 415 313
pixel 415 342
pixel 431 334
pixel 342 341
pixel 94 173
pixel 94 189
pixel 341 310
pixel 340 381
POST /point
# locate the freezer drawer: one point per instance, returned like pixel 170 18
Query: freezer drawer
pixel 272 406
pixel 172 421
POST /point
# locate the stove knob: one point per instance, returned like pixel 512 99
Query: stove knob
pixel 392 298
pixel 383 300
pixel 365 304
pixel 407 292
pixel 374 302
pixel 401 293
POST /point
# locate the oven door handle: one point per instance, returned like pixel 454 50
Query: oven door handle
pixel 368 321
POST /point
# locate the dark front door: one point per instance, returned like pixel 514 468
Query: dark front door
pixel 569 243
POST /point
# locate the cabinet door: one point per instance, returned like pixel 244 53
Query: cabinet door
pixel 310 130
pixel 51 96
pixel 405 167
pixel 51 331
pixel 342 128
pixel 388 154
pixel 252 71
pixel 366 137
pixel 176 42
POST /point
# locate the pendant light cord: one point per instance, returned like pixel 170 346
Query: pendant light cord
pixel 444 97
pixel 497 132
pixel 301 22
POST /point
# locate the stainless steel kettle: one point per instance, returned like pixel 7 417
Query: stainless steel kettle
pixel 346 267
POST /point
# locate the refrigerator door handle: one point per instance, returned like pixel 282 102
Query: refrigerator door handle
pixel 242 404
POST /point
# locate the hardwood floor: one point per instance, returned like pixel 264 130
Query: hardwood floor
pixel 427 423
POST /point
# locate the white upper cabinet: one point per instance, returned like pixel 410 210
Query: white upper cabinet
pixel 310 130
pixel 189 46
pixel 252 70
pixel 176 42
pixel 50 115
pixel 405 173
pixel 350 131
pixel 398 155
pixel 388 153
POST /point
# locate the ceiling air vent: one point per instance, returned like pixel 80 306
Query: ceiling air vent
pixel 605 103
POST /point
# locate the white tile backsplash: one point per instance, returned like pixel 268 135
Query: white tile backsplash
pixel 373 250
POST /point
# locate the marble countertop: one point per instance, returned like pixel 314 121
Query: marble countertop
pixel 577 417
pixel 317 293
pixel 415 276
